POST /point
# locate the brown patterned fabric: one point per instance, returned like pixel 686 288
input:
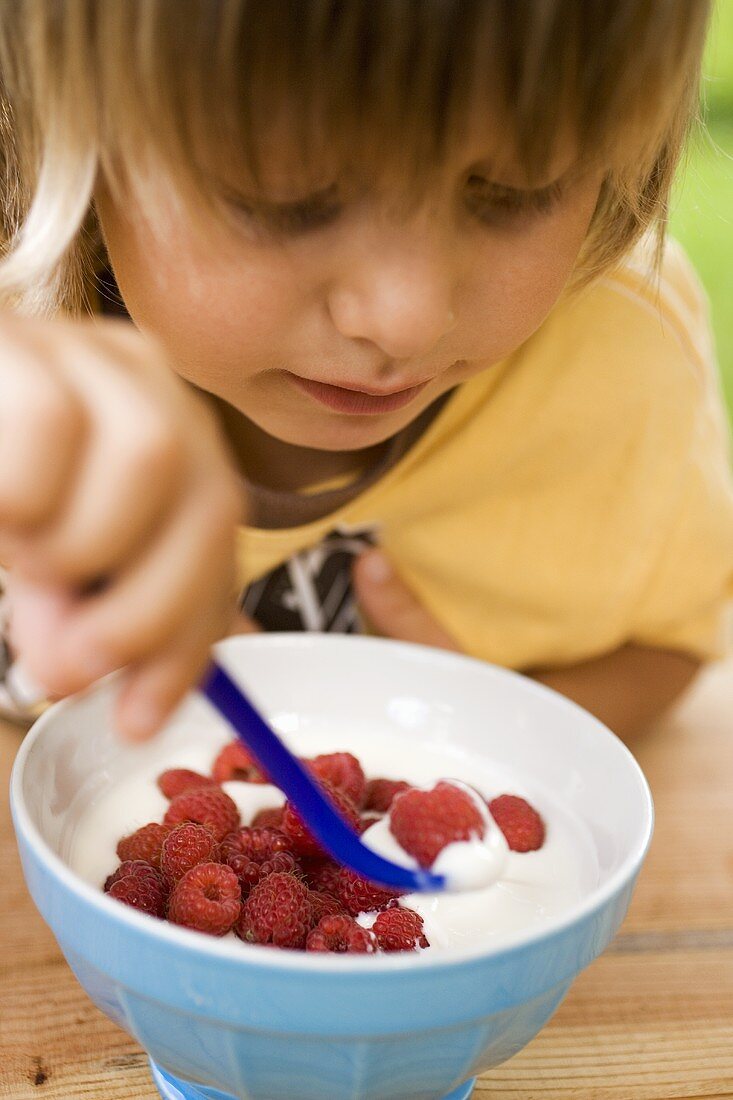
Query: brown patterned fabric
pixel 278 508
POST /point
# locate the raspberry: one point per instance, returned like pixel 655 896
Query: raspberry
pixel 424 822
pixel 235 762
pixel 277 912
pixel 367 820
pixel 322 874
pixel 522 826
pixel 209 806
pixel 178 780
pixel 399 929
pixel 342 935
pixel 323 905
pixel 185 847
pixel 207 899
pixel 358 895
pixel 270 818
pixel 303 842
pixel 343 771
pixel 139 885
pixel 254 853
pixel 140 894
pixel 380 792
pixel 137 867
pixel 144 843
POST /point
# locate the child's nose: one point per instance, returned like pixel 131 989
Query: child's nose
pixel 402 301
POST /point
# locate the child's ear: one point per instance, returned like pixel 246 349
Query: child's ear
pixel 391 607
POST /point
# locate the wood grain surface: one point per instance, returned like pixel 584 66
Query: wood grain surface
pixel 651 1019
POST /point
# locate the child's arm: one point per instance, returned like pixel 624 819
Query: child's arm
pixel 627 689
pixel 118 510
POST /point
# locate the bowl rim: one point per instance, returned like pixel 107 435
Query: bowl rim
pixel 244 954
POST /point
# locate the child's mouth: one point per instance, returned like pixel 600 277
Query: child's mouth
pixel 355 402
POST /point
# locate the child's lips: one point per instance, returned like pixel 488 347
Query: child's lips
pixel 355 402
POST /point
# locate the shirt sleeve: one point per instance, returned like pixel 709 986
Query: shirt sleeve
pixel 685 602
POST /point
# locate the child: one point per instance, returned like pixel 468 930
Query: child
pixel 391 273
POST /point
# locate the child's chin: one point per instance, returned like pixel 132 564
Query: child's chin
pixel 334 431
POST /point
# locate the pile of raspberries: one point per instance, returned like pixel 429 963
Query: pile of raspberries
pixel 270 882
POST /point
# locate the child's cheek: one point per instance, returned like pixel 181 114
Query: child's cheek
pixel 525 274
pixel 215 308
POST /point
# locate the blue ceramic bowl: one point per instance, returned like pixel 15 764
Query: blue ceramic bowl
pixel 221 1019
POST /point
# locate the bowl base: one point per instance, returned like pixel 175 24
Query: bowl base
pixel 175 1088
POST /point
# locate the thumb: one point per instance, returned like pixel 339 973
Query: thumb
pixel 390 605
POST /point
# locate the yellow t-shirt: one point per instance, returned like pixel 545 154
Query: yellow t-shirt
pixel 572 498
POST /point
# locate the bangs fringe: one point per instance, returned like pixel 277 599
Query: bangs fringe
pixel 387 86
pixel 384 88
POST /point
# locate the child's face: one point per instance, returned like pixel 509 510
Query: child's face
pixel 331 285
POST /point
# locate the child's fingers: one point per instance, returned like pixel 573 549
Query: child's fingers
pixel 391 606
pixel 152 690
pixel 188 567
pixel 39 614
pixel 125 487
pixel 187 575
pixel 40 618
pixel 42 429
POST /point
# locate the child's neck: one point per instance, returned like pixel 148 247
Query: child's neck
pixel 267 461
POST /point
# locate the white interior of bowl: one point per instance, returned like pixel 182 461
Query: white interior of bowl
pixel 317 682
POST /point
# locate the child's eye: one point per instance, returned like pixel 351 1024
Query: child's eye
pixel 283 218
pixel 496 204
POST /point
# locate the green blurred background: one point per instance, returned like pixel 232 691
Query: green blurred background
pixel 702 206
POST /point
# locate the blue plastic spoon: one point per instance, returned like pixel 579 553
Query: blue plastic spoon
pixel 296 783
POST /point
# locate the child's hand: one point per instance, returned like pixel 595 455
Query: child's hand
pixel 391 607
pixel 118 509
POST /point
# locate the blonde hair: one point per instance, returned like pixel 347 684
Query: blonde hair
pixel 112 86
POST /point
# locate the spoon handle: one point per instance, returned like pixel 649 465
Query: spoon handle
pixel 296 783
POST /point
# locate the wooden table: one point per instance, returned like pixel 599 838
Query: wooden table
pixel 652 1019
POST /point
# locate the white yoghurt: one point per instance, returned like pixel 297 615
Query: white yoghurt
pixel 465 864
pixel 509 893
